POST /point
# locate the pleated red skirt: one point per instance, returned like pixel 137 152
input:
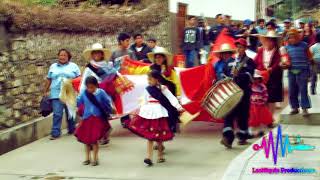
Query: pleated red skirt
pixel 91 130
pixel 151 129
pixel 259 115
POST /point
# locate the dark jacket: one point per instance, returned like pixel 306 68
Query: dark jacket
pixel 244 76
pixel 142 55
pixel 191 39
pixel 203 37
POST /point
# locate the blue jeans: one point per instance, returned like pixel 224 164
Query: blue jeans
pixel 190 57
pixel 58 108
pixel 298 86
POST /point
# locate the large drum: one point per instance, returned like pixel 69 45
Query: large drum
pixel 222 98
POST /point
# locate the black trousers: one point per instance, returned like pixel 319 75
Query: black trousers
pixel 240 114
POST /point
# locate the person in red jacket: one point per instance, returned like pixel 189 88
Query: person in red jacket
pixel 268 62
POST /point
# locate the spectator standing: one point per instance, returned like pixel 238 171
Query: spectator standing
pixel 315 51
pixel 246 32
pixel 152 44
pixel 123 48
pixel 62 68
pixel 216 29
pixel 191 42
pixel 299 72
pixel 140 48
pixel 261 28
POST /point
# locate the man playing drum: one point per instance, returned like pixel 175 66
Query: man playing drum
pixel 241 70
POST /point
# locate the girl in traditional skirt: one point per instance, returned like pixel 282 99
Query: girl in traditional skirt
pixel 260 115
pixel 157 118
pixel 94 124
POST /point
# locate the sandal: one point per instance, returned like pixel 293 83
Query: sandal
pixel 95 163
pixel 87 162
pixel 161 160
pixel 148 162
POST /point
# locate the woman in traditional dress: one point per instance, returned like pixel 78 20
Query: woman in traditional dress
pixel 268 62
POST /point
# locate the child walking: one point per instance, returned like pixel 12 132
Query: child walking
pixel 157 118
pixel 94 124
pixel 260 115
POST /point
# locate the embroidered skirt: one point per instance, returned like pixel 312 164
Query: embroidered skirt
pixel 259 115
pixel 91 130
pixel 151 129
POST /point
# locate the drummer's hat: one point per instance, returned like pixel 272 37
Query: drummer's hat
pixel 163 51
pixel 96 47
pixel 270 34
pixel 225 48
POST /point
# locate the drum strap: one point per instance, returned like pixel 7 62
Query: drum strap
pixel 242 64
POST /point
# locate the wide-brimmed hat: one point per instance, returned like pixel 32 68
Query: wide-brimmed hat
pixel 270 34
pixel 293 32
pixel 225 48
pixel 163 51
pixel 96 47
pixel 242 42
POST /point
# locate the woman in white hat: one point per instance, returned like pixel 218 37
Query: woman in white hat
pixel 162 62
pixel 268 62
pixel 102 70
pixel 224 54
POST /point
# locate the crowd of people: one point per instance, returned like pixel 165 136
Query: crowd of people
pixel 296 49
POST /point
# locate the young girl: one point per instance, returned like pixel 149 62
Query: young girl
pixel 260 114
pixel 94 124
pixel 105 72
pixel 157 118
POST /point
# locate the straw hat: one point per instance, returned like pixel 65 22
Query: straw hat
pixel 225 48
pixel 97 47
pixel 163 51
pixel 270 34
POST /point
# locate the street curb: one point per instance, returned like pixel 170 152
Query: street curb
pixel 25 133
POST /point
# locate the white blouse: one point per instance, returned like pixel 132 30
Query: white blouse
pixel 267 55
pixel 152 109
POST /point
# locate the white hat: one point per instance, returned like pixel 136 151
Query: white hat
pixel 270 34
pixel 257 74
pixel 96 47
pixel 163 51
pixel 225 48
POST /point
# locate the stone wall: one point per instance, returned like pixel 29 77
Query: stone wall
pixel 25 64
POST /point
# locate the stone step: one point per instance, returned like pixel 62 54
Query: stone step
pixel 312 119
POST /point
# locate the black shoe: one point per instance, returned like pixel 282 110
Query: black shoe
pixel 271 126
pixel 87 162
pixel 224 141
pixel 243 142
pixel 54 137
pixel 250 136
pixel 260 134
pixel 148 162
pixel 305 113
pixel 104 141
pixel 124 121
pixel 313 92
pixel 294 111
pixel 95 163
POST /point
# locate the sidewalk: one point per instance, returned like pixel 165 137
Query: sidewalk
pixel 195 154
pixel 241 168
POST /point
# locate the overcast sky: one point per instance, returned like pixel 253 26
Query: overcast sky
pixel 239 9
